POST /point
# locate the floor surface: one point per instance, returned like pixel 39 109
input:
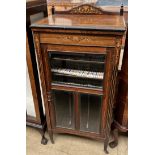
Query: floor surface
pixel 70 145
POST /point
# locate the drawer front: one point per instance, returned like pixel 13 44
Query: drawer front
pixel 76 39
pixel 76 49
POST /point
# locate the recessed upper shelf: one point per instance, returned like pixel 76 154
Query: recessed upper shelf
pixel 76 88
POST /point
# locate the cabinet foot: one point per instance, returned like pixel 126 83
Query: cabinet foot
pixel 114 143
pixel 106 145
pixel 106 151
pixel 51 137
pixel 44 140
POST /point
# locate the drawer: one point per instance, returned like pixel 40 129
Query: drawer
pixel 75 49
pixel 77 39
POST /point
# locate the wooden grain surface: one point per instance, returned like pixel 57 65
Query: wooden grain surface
pixel 110 22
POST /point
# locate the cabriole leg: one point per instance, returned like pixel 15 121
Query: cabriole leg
pixel 51 137
pixel 106 141
pixel 44 140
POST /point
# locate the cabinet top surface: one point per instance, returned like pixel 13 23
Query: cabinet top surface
pixel 95 22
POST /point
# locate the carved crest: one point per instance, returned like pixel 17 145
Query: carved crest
pixel 86 9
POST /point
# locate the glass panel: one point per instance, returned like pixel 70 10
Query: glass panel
pixel 77 69
pixel 64 109
pixel 29 98
pixel 90 112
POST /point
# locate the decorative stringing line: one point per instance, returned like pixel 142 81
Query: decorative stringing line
pixel 111 99
pixel 41 71
pixel 113 85
pixel 40 64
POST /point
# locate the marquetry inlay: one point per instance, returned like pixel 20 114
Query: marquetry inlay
pixel 86 9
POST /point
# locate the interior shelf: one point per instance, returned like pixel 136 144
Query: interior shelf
pixel 79 57
pixel 76 85
pixel 78 60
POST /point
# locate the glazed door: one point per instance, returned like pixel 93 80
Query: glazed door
pixel 76 80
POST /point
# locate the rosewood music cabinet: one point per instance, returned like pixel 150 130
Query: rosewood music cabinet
pixel 78 55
